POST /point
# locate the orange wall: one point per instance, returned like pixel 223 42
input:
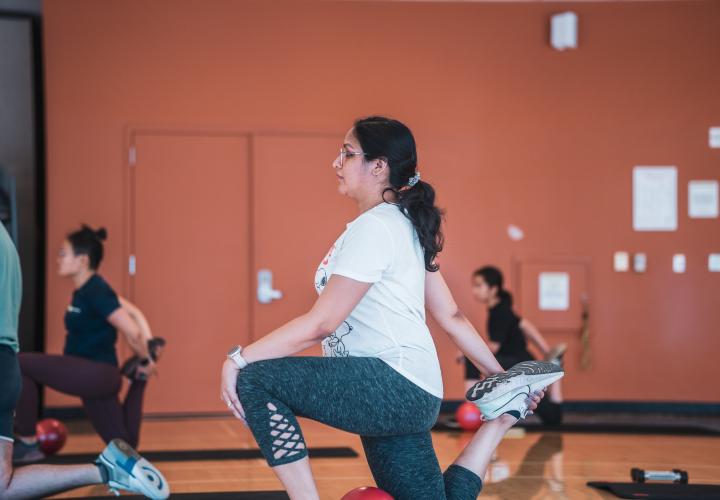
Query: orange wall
pixel 509 131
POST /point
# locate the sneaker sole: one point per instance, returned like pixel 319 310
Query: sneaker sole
pixel 537 374
pixel 496 407
pixel 491 411
pixel 143 477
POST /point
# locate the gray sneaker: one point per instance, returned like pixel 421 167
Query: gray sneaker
pixel 508 392
pixel 127 470
pixel 24 453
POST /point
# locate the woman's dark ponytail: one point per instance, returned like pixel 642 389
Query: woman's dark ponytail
pixel 418 203
pixel 505 297
pixel 382 137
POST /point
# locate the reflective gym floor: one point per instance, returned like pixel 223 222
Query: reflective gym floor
pixel 528 465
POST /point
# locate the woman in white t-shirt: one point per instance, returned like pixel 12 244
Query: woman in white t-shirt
pixel 380 376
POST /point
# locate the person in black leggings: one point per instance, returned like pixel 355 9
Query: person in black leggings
pixel 380 375
pixel 88 367
pixel 118 466
pixel 509 335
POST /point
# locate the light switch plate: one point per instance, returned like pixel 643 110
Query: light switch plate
pixel 714 137
pixel 621 262
pixel 678 263
pixel 714 262
pixel 639 262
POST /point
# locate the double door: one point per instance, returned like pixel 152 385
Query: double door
pixel 208 212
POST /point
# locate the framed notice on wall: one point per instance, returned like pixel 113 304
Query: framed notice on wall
pixel 554 291
pixel 703 199
pixel 655 199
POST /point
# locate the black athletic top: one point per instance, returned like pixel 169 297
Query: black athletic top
pixel 90 335
pixel 504 328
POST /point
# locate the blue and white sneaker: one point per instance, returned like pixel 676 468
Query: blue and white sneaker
pixel 508 392
pixel 127 470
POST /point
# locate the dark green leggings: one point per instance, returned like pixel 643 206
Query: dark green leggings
pixel 364 396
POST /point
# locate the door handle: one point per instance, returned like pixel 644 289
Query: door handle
pixel 265 291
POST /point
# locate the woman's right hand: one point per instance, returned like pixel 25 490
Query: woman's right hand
pixel 228 389
pixel 147 371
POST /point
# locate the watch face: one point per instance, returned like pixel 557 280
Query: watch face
pixel 234 350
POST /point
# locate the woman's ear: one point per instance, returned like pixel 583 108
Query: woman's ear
pixel 380 167
pixel 84 260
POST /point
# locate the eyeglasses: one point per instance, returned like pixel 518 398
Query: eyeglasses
pixel 344 153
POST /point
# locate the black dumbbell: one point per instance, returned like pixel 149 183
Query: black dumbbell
pixel 675 475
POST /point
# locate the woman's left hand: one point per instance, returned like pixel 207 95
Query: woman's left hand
pixel 228 389
pixel 534 400
pixel 147 371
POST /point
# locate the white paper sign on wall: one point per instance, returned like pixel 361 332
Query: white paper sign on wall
pixel 554 291
pixel 703 199
pixel 655 198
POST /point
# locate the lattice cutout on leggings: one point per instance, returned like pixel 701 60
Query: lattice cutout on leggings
pixel 287 441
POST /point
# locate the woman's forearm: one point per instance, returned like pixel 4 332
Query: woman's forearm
pixel 534 335
pixel 130 329
pixel 291 338
pixel 469 341
pixel 142 324
pixel 137 343
pixel 138 317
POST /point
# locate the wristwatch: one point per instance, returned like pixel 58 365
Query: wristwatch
pixel 234 354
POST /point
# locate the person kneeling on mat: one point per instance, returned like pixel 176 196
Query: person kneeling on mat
pixel 508 335
pixel 136 474
pixel 88 368
pixel 380 375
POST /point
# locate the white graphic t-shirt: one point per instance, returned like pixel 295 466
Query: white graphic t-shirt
pixel 381 247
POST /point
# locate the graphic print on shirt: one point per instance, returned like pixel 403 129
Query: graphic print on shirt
pixel 321 279
pixel 333 345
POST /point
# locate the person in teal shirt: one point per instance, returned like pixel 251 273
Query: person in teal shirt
pixel 10 292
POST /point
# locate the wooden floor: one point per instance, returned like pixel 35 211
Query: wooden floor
pixel 530 466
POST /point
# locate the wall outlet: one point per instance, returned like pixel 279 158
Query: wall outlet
pixel 639 262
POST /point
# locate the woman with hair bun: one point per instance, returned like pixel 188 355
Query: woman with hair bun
pixel 88 367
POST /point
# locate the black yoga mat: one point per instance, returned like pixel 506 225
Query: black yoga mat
pixel 225 495
pixel 620 428
pixel 192 455
pixel 660 491
pixel 601 428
